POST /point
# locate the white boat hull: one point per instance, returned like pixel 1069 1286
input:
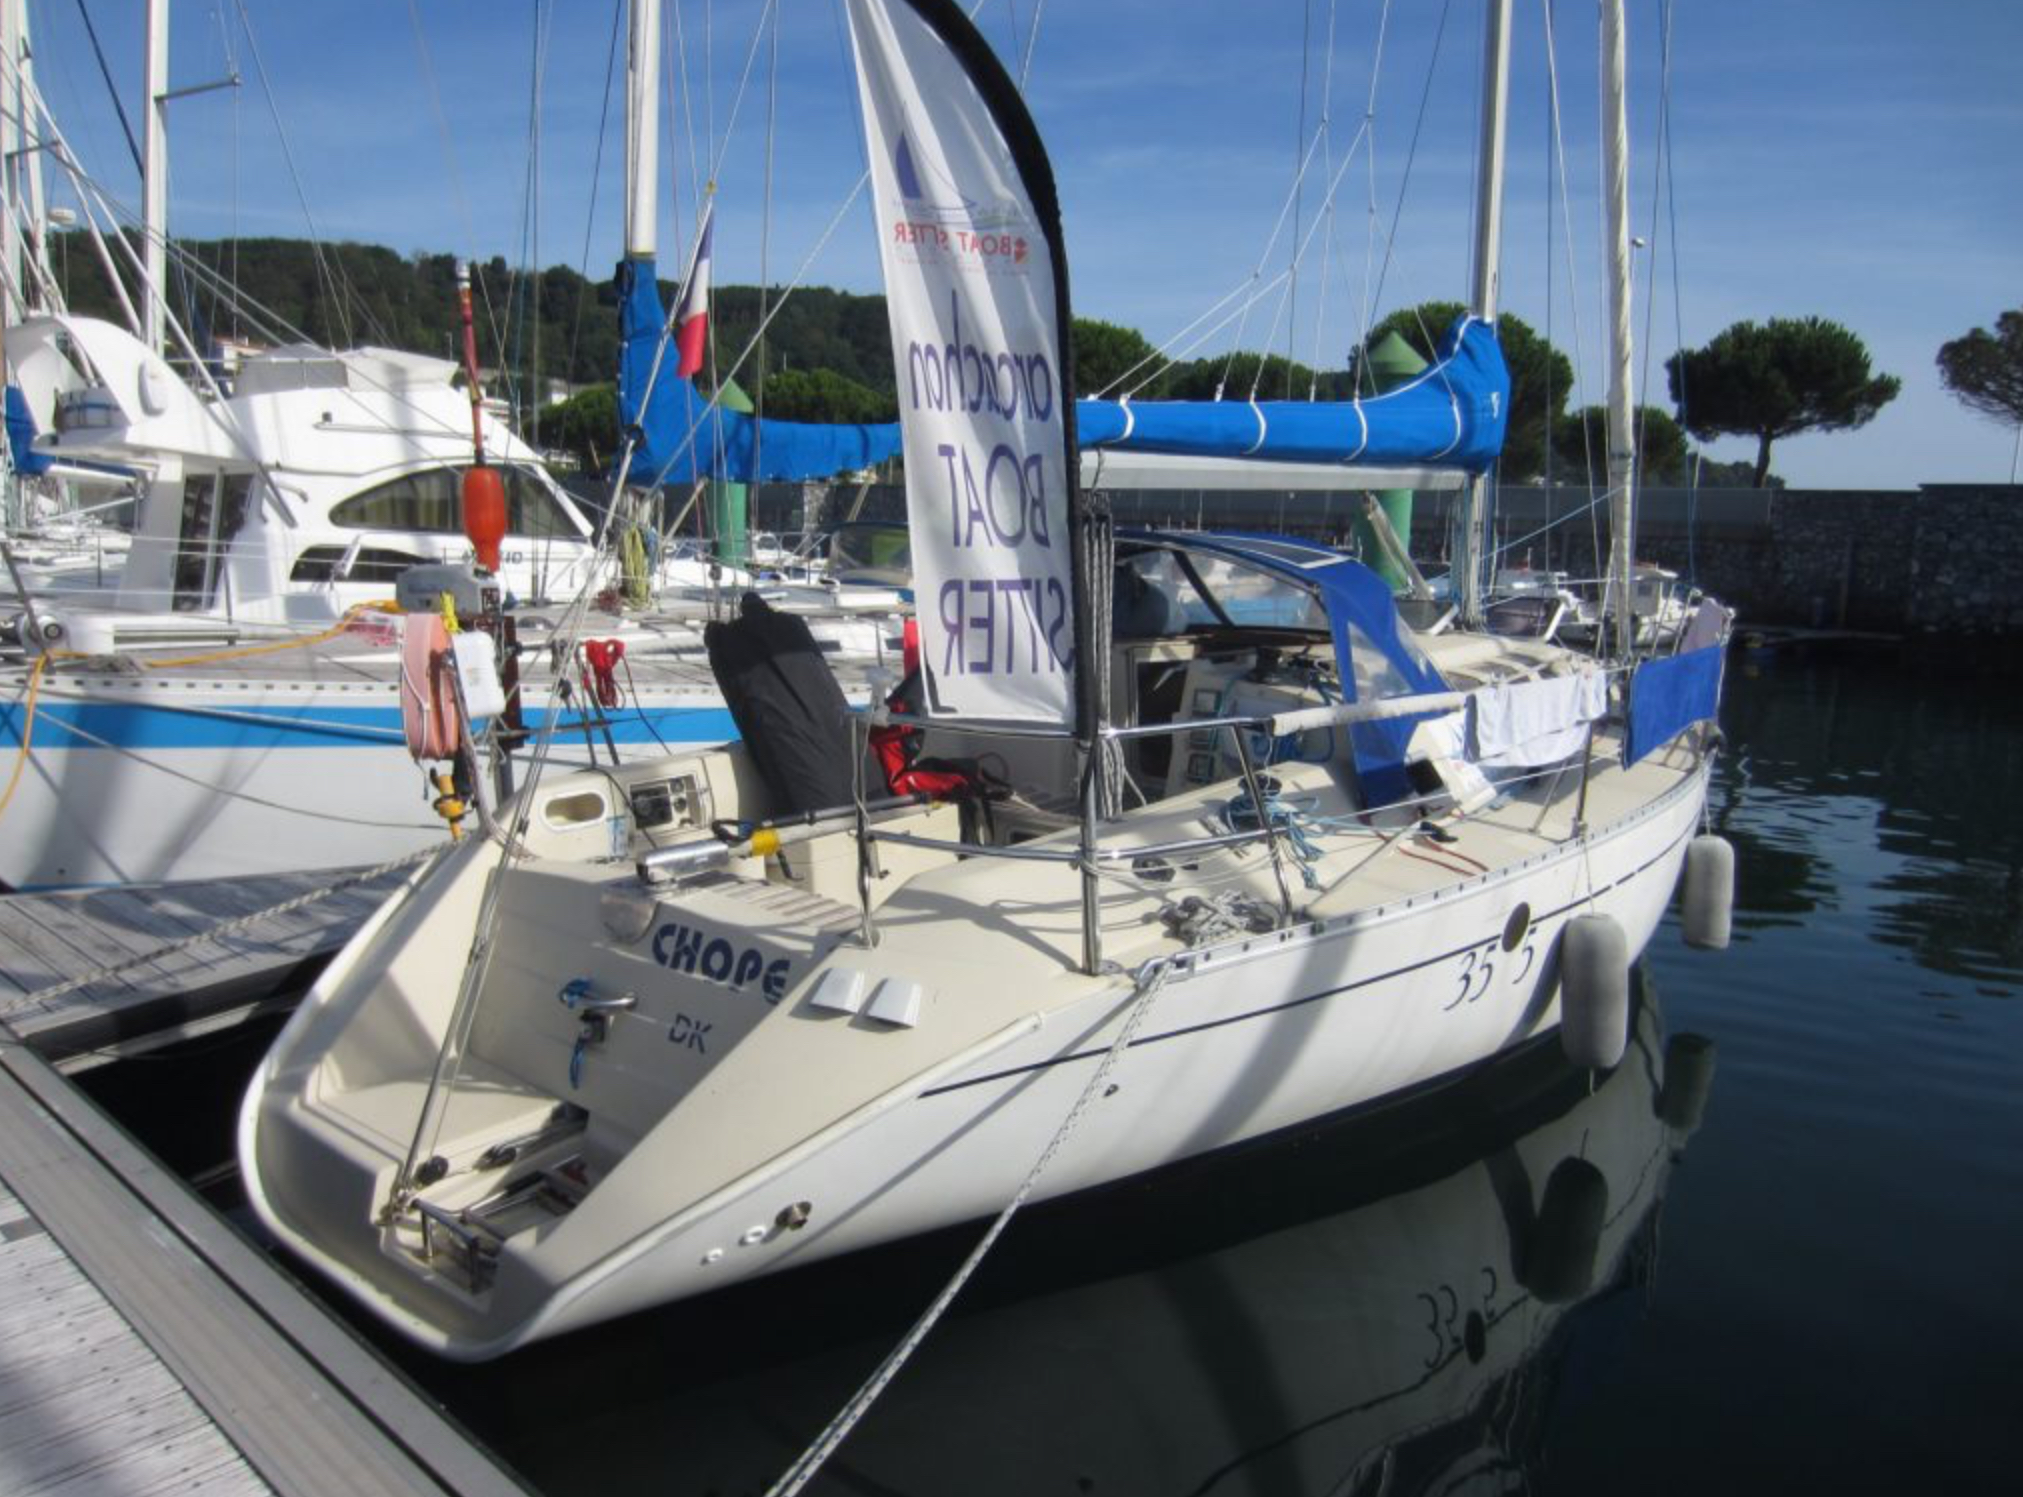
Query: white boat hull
pixel 1358 1027
pixel 151 783
pixel 1246 1038
pixel 257 760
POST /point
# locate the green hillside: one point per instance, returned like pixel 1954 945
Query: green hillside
pixel 827 355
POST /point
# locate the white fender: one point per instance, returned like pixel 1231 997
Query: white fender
pixel 1707 892
pixel 1594 991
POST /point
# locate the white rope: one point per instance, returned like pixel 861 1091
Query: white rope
pixel 1151 978
pixel 216 932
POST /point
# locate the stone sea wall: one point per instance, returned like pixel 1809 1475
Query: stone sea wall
pixel 1942 560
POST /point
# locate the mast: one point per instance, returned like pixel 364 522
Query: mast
pixel 1621 427
pixel 13 17
pixel 1487 275
pixel 155 178
pixel 24 230
pixel 642 141
pixel 27 187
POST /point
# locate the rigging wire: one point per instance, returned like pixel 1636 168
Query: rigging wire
pixel 768 14
pixel 105 72
pixel 670 146
pixel 523 303
pixel 1405 180
pixel 1373 220
pixel 1668 182
pixel 1565 207
pixel 765 245
pixel 1551 182
pixel 677 45
pixel 1298 198
pixel 1032 40
pixel 329 263
pixel 596 181
pixel 238 133
pixel 1143 994
pixel 1327 209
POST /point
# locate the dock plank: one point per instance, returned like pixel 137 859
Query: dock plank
pixel 190 1360
pixel 164 989
pixel 84 1405
pixel 97 943
pixel 133 911
pixel 31 959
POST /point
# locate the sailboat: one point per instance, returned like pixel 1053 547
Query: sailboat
pixel 1173 842
pixel 234 706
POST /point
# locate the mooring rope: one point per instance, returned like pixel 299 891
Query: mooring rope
pixel 1151 977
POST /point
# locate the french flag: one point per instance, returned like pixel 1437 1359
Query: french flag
pixel 691 315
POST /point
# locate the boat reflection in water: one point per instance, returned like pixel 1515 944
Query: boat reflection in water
pixel 1370 1305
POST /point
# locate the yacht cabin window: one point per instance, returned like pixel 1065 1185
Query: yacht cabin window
pixel 1209 591
pixel 430 500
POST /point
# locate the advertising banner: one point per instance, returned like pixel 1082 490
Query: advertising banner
pixel 970 282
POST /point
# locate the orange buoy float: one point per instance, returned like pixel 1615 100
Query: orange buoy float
pixel 485 513
pixel 484 488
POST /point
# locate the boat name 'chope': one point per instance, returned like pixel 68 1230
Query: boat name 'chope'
pixel 691 949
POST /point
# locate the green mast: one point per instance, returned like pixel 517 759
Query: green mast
pixel 1391 363
pixel 729 520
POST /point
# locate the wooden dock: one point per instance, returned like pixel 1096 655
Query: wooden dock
pixel 145 1347
pixel 83 1401
pixel 163 984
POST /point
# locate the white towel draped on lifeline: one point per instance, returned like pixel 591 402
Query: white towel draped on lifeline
pixel 1525 724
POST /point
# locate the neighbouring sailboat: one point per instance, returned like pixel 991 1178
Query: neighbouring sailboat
pixel 1181 841
pixel 232 705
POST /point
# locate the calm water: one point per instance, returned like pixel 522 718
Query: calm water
pixel 1516 1285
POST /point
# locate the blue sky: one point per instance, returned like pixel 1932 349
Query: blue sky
pixel 1857 159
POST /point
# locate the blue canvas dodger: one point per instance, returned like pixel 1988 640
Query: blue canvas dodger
pixel 1362 615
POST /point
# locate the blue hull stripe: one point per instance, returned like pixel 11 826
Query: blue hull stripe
pixel 137 726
